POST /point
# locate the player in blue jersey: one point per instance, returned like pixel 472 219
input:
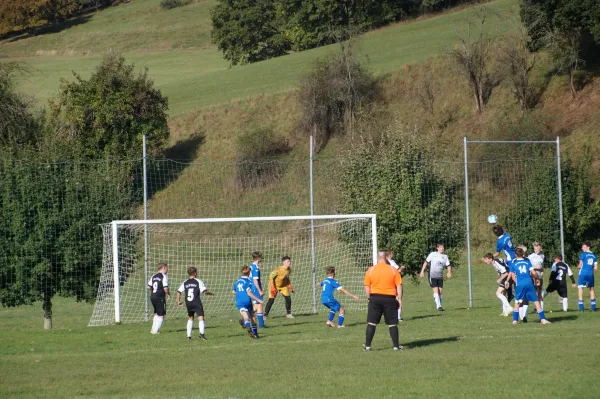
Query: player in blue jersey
pixel 504 244
pixel 242 289
pixel 330 285
pixel 588 263
pixel 257 287
pixel 525 278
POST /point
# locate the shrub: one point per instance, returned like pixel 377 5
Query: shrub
pixel 259 150
pixel 170 4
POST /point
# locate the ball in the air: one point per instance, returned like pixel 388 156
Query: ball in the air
pixel 492 219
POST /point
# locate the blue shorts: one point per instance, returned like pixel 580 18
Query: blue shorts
pixel 256 294
pixel 245 308
pixel 526 292
pixel 585 281
pixel 333 305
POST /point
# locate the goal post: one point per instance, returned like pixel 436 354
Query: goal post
pixel 347 242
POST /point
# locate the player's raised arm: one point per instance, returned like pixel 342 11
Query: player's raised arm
pixel 345 291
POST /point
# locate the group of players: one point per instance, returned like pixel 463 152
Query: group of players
pixel 525 274
pixel 516 272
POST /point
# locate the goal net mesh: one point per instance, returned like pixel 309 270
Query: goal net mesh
pixel 218 251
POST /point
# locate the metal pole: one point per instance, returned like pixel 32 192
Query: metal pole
pixel 116 282
pixel 145 229
pixel 374 238
pixel 560 205
pixel 312 228
pixel 468 224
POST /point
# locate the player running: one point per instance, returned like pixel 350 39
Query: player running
pixel 242 289
pixel 279 282
pixel 588 263
pixel 159 288
pixel 525 278
pixel 401 269
pixel 437 261
pixel 503 271
pixel 193 289
pixel 330 285
pixel 537 260
pixel 257 287
pixel 558 280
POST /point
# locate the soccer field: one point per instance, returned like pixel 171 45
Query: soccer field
pixel 458 353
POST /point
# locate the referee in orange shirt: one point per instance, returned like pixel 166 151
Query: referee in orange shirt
pixel 383 286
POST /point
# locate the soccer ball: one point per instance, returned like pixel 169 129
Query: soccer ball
pixel 492 219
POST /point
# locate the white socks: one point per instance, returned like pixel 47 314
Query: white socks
pixel 438 300
pixel 190 327
pixel 565 302
pixel 542 304
pixel 523 311
pixel 156 323
pixel 505 304
pixel 201 326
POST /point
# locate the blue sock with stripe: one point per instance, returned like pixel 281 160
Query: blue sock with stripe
pixel 580 303
pixel 593 304
pixel 515 315
pixel 341 320
pixel 542 315
pixel 261 320
pixel 331 315
pixel 246 324
pixel 255 329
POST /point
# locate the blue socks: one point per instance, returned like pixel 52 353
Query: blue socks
pixel 331 315
pixel 542 315
pixel 340 320
pixel 593 305
pixel 261 320
pixel 515 315
pixel 255 329
pixel 580 305
pixel 246 324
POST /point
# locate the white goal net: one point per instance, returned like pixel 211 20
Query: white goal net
pixel 218 248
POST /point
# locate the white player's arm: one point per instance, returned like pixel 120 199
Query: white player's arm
pixel 167 292
pixel 502 277
pixel 178 298
pixel 449 275
pixel 251 295
pixel 423 269
pixel 207 292
pixel 511 277
pixel 345 291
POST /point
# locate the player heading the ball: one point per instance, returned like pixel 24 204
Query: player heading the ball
pixel 330 285
pixel 279 282
pixel 159 288
pixel 242 289
pixel 193 289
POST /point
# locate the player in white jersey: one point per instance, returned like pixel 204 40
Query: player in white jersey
pixel 437 261
pixel 537 260
pixel 402 270
pixel 503 271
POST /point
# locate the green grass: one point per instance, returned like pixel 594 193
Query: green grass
pixel 460 353
pixel 197 76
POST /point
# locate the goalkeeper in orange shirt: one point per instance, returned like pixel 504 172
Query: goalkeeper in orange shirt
pixel 279 281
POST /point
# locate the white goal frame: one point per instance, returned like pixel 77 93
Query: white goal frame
pixel 115 240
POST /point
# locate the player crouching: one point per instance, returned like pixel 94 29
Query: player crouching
pixel 193 289
pixel 525 278
pixel 242 289
pixel 330 285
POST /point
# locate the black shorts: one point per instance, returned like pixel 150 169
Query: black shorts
pixel 382 305
pixel 502 284
pixel 436 282
pixel 196 308
pixel 160 305
pixel 561 290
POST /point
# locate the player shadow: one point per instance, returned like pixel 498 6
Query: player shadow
pixel 562 318
pixel 428 342
pixel 424 316
pixel 292 324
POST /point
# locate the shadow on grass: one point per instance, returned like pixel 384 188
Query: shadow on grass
pixel 428 342
pixel 562 318
pixel 54 28
pixel 424 316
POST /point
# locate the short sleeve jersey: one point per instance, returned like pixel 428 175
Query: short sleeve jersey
pixel 500 266
pixel 329 286
pixel 437 262
pixel 242 287
pixel 192 290
pixel 382 279
pixel 157 284
pixel 588 260
pixel 522 270
pixel 255 276
pixel 505 245
pixel 559 272
pixel 536 259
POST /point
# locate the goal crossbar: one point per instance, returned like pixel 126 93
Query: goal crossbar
pixel 116 223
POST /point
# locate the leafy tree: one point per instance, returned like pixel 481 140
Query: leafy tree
pixel 108 114
pixel 29 15
pixel 415 206
pixel 248 30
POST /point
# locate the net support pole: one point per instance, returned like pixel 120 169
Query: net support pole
pixel 374 237
pixel 115 261
pixel 560 205
pixel 145 227
pixel 467 223
pixel 312 228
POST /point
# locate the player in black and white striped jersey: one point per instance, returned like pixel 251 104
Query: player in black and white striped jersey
pixel 402 270
pixel 193 289
pixel 502 292
pixel 159 291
